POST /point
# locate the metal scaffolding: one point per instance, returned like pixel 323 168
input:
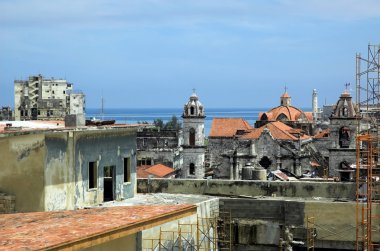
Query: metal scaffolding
pixel 368 85
pixel 367 193
pixel 311 233
pixel 207 234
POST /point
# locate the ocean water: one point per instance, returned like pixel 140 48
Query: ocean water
pixel 133 115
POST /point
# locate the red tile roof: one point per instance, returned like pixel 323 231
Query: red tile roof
pixel 278 130
pixel 227 127
pixel 158 171
pixel 141 173
pixel 70 229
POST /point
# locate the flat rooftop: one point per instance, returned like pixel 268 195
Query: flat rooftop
pixel 160 199
pixel 78 229
pixel 24 127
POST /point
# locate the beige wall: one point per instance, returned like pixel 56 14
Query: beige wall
pixel 22 170
pixel 127 243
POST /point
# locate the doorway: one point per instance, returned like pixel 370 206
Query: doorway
pixel 109 183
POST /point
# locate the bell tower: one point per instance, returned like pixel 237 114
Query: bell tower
pixel 193 139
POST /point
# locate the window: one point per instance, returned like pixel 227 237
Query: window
pixel 192 110
pixel 192 169
pixel 92 175
pixel 192 136
pixel 127 169
pixel 65 93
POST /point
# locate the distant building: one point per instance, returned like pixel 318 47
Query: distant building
pixel 6 113
pixel 193 139
pixel 46 99
pixel 233 144
pixel 158 146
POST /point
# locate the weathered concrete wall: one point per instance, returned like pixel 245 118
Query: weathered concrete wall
pixel 48 170
pixel 59 172
pixel 7 203
pixel 107 148
pixel 262 221
pixel 248 188
pixel 22 170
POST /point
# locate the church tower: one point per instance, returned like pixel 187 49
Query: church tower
pixel 343 122
pixel 193 139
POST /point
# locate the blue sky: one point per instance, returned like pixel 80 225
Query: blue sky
pixel 151 53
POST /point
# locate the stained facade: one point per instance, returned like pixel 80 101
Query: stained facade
pixel 46 99
pixel 65 169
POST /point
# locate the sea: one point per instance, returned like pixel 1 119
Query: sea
pixel 134 115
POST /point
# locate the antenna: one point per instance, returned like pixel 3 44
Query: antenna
pixel 102 106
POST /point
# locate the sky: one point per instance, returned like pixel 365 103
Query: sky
pixel 152 53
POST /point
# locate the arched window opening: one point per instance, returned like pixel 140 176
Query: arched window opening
pixel 192 169
pixel 344 137
pixel 192 137
pixel 282 117
pixel 192 110
pixel 345 112
pixel 265 162
pixel 264 117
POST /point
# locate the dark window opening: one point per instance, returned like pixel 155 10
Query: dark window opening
pixel 192 137
pixel 192 110
pixel 109 183
pixel 265 162
pixel 192 169
pixel 345 176
pixel 148 161
pixel 127 169
pixel 92 175
pixel 264 117
pixel 344 137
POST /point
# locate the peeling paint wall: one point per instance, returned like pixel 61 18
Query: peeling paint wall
pixel 22 172
pixel 107 148
pixel 48 170
pixel 59 173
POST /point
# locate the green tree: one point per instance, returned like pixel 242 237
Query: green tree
pixel 158 123
pixel 173 124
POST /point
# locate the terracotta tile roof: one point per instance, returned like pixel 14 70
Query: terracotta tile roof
pixel 158 171
pixel 277 129
pixel 227 127
pixel 68 229
pixel 141 173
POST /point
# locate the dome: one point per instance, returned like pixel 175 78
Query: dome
pixel 193 108
pixel 286 113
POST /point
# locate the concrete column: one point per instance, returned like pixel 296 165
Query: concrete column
pixel 231 168
pixel 298 169
pixel 236 171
